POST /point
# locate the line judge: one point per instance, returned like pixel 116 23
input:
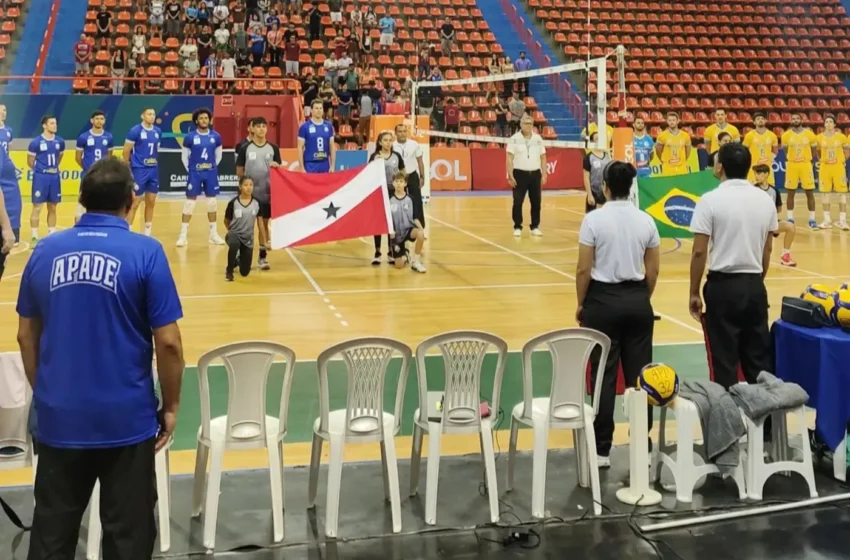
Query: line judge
pixel 411 153
pixel 739 221
pixel 618 264
pixel 526 163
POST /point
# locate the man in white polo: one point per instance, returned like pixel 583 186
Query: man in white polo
pixel 526 173
pixel 739 221
pixel 414 166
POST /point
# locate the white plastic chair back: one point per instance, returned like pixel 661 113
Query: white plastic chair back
pixel 463 355
pixel 248 365
pixel 366 361
pixel 14 412
pixel 570 350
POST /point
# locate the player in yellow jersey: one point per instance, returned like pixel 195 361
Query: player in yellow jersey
pixel 832 175
pixel 588 132
pixel 763 145
pixel 673 147
pixel 720 125
pixel 798 143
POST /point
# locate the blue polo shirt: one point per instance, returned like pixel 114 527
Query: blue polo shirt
pixel 99 290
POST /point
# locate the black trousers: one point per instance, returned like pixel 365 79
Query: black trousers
pixel 63 488
pixel 527 182
pixel 414 189
pixel 736 326
pixel 600 200
pixel 2 259
pixel 238 254
pixel 623 312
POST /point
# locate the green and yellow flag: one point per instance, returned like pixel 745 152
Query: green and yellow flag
pixel 671 200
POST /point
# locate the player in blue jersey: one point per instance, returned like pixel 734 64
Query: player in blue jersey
pixel 316 147
pixel 201 156
pixel 141 151
pixel 643 145
pixel 43 157
pixel 9 177
pixel 93 145
pixel 7 233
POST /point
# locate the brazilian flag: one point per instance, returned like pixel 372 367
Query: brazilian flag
pixel 671 200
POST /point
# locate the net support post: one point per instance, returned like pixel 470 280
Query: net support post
pixel 638 491
pixel 602 139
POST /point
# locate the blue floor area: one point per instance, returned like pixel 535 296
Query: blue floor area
pixel 60 57
pixel 26 56
pixel 557 113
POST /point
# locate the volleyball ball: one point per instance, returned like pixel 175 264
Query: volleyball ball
pixel 659 382
pixel 840 312
pixel 820 293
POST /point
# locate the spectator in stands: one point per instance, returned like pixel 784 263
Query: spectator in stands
pixel 314 19
pixel 365 44
pixel 516 109
pixel 355 19
pixel 436 75
pixel 327 95
pixel 335 7
pixel 310 89
pixel 447 37
pixel 118 66
pixel 274 37
pixel 452 123
pixel 331 66
pixel 263 7
pixel 142 5
pixel 157 14
pixel 173 12
pixel 191 19
pixel 238 14
pixel 387 25
pixel 423 66
pixel 243 64
pixel 187 49
pixel 191 70
pixel 361 135
pixel 255 25
pixel 353 48
pixel 132 64
pixel 205 43
pixel 522 64
pixel 494 65
pixel 222 38
pixel 139 41
pixel 257 45
pixel 346 100
pixel 501 111
pixel 507 85
pixel 221 13
pixel 133 71
pixel 210 73
pixel 292 52
pixel 344 63
pixel 272 19
pixel 203 15
pixel 371 18
pixel 239 40
pixel 438 115
pixel 82 55
pixel 228 71
pixel 352 83
pixel 290 32
pixel 103 22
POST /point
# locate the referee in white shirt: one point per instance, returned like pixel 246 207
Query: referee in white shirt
pixel 526 173
pixel 411 153
pixel 618 263
pixel 739 222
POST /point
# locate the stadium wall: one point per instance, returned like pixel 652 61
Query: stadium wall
pixel 60 54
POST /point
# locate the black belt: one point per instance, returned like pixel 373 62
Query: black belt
pixel 716 275
pixel 629 284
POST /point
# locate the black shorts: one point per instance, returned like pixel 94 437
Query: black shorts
pixel 398 249
pixel 598 197
pixel 265 210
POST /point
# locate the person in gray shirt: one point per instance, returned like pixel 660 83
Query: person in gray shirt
pixel 239 218
pixel 595 163
pixel 254 160
pixel 407 228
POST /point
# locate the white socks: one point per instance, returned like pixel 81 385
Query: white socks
pixel 212 228
pixel 786 252
pixel 826 216
pixel 35 234
pixel 812 215
pixel 148 228
pixel 51 230
pixel 184 230
pixel 842 217
pixel 789 214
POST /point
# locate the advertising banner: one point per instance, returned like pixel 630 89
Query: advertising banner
pixel 489 170
pixel 450 169
pixel 347 159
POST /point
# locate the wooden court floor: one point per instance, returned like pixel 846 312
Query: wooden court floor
pixel 479 277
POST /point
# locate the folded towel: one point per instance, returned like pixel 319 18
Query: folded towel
pixel 13 381
pixel 770 394
pixel 721 422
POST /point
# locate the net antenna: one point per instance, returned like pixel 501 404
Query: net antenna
pixel 558 108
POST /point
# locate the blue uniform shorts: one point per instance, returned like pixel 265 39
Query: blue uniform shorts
pixel 146 180
pixel 202 182
pixel 645 171
pixel 46 187
pixel 323 166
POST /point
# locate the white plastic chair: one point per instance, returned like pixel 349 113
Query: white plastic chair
pixel 463 355
pixel 758 471
pixel 13 419
pixel 363 419
pixel 564 409
pixel 245 426
pixel 687 475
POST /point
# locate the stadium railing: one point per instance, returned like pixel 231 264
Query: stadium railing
pixel 163 84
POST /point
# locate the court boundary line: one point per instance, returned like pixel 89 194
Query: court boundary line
pixel 318 289
pixel 550 268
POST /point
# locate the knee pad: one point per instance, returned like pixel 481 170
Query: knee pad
pixel 78 213
pixel 189 207
pixel 212 204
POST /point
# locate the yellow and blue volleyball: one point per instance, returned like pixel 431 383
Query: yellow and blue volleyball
pixel 820 293
pixel 659 382
pixel 840 312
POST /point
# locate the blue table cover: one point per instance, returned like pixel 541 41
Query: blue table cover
pixel 819 361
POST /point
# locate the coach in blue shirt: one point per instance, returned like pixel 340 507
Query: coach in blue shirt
pixel 95 302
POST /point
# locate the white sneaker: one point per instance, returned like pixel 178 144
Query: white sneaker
pixel 826 225
pixel 517 233
pixel 182 241
pixel 263 264
pixel 215 239
pixel 536 232
pixel 603 462
pixel 417 266
pixel 843 226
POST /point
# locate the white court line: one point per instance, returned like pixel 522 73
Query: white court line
pixel 547 267
pixel 318 289
pixel 9 276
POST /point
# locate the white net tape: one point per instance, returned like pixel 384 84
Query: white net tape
pixel 555 91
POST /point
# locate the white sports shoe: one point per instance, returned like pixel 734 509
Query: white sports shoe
pixel 603 462
pixel 843 226
pixel 215 239
pixel 536 232
pixel 417 266
pixel 826 225
pixel 182 241
pixel 517 233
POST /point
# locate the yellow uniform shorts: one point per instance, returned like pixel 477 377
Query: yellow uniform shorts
pixel 670 170
pixel 833 178
pixel 799 174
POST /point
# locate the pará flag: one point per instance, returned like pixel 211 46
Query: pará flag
pixel 671 200
pixel 310 208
